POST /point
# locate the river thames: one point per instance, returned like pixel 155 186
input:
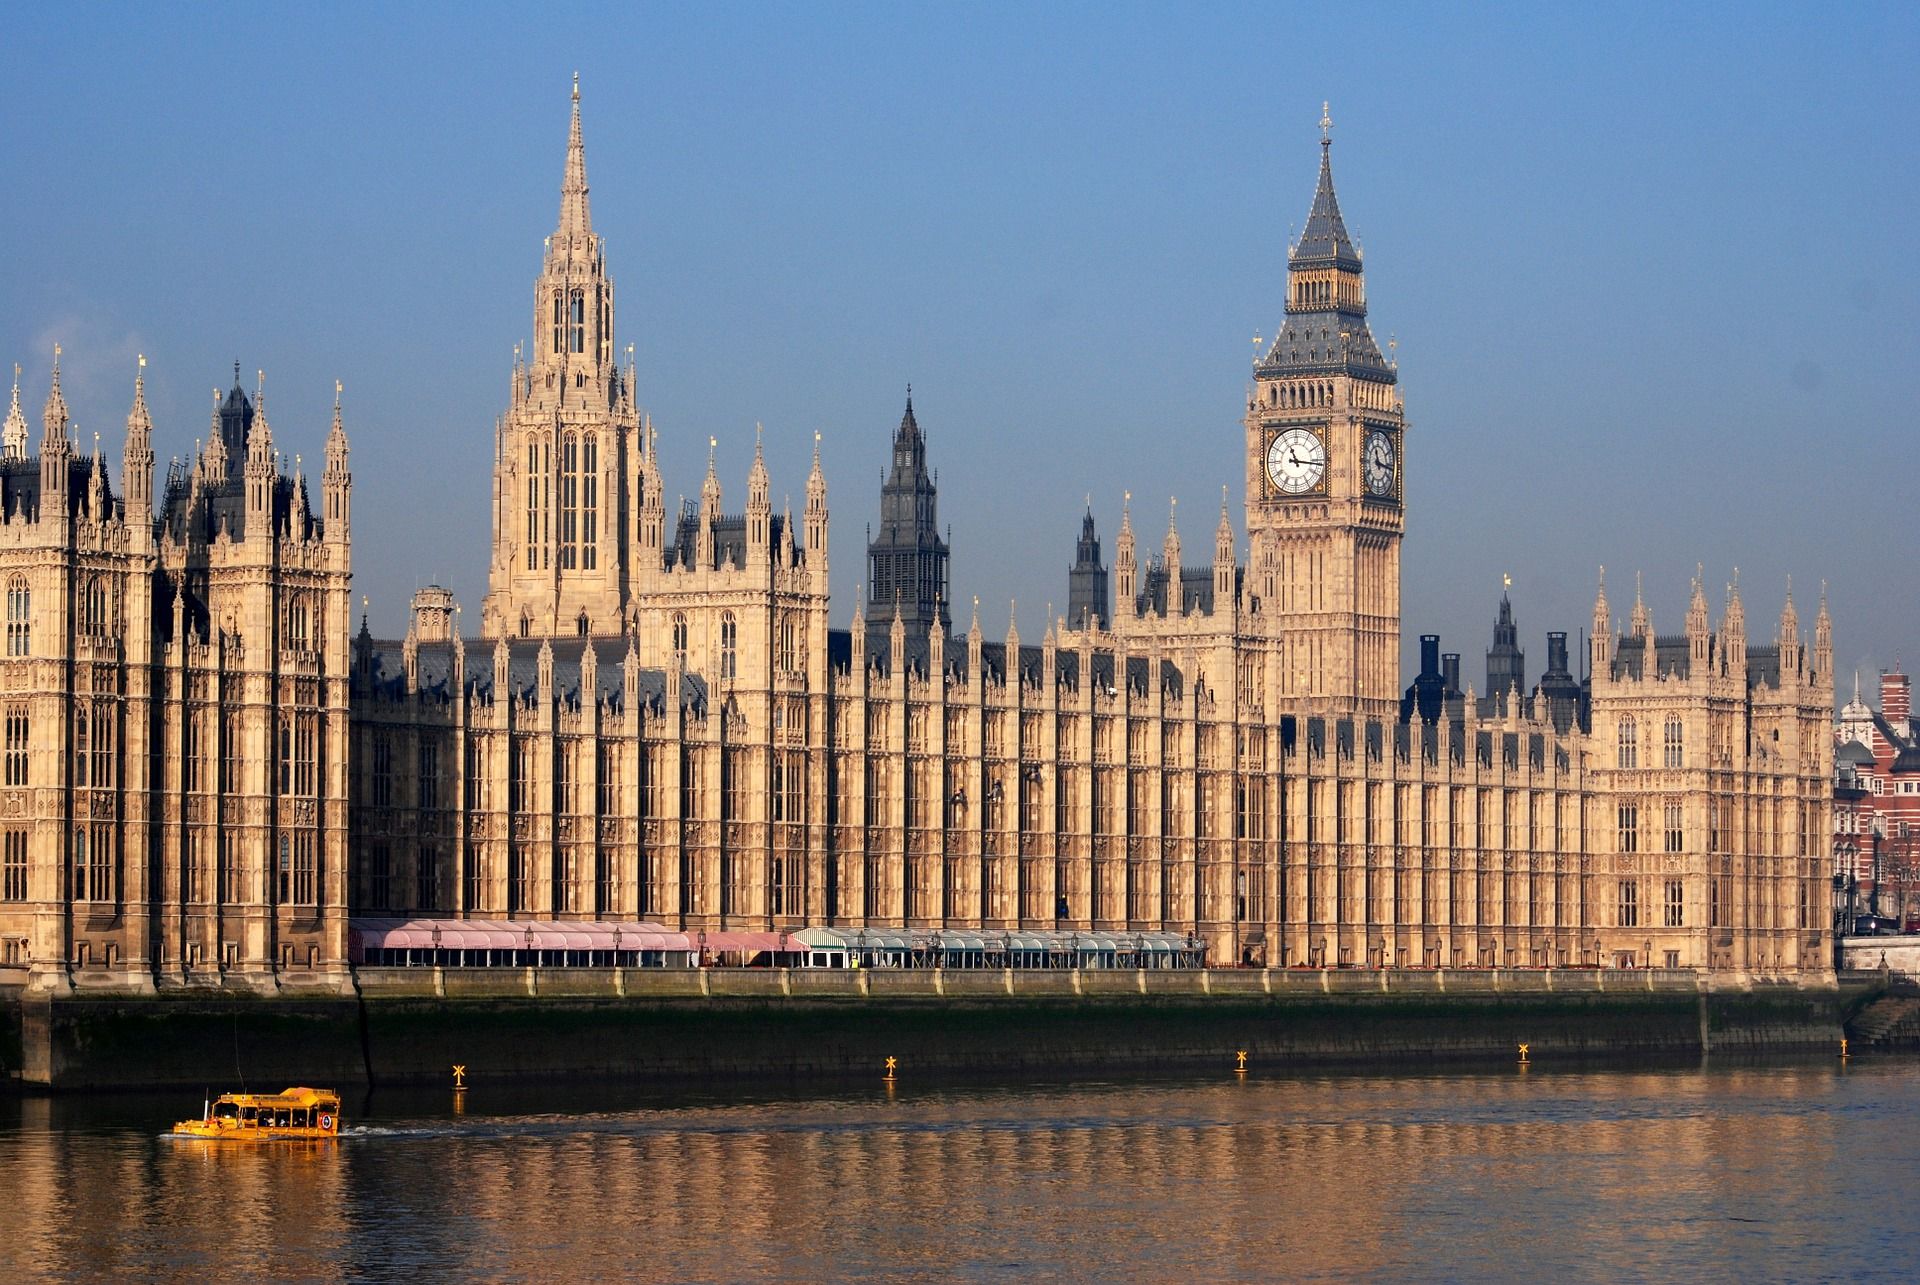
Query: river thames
pixel 1779 1170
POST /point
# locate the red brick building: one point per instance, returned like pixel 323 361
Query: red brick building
pixel 1876 803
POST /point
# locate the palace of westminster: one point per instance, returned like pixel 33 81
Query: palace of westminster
pixel 209 769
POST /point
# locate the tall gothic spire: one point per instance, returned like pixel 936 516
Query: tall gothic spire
pixel 907 558
pixel 14 439
pixel 54 418
pixel 576 220
pixel 1325 330
pixel 1325 239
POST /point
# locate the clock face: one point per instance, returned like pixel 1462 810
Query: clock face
pixel 1378 463
pixel 1296 461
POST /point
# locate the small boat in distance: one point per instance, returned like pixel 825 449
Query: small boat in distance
pixel 296 1114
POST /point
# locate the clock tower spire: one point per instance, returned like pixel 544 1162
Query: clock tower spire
pixel 1324 436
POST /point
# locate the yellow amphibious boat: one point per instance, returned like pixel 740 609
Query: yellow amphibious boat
pixel 298 1114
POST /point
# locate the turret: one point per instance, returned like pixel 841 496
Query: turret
pixel 1823 641
pixel 1126 580
pixel 136 466
pixel 337 482
pixel 1170 558
pixel 1792 655
pixel 1733 633
pixel 817 513
pixel 1223 564
pixel 260 468
pixel 1012 674
pixel 13 439
pixel 709 507
pixel 759 511
pixel 1699 633
pixel 1600 642
pixel 652 500
pixel 974 643
pixel 56 452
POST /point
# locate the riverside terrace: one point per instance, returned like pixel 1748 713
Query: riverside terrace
pixel 475 943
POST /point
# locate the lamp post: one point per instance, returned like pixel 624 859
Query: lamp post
pixel 1873 898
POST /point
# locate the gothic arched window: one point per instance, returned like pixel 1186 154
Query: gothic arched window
pixel 299 635
pixel 1629 744
pixel 729 638
pixel 556 325
pixel 537 557
pixel 589 501
pixel 19 616
pixel 1676 744
pixel 577 321
pixel 93 608
pixel 680 636
pixel 569 498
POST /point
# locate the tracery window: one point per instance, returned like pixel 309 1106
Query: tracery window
pixel 569 498
pixel 1629 756
pixel 19 616
pixel 729 636
pixel 1676 742
pixel 1629 827
pixel 680 636
pixel 537 456
pixel 18 735
pixel 1629 906
pixel 93 863
pixel 298 623
pixel 577 310
pixel 589 502
pixel 93 608
pixel 13 865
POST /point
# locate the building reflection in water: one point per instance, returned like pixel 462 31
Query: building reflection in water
pixel 1612 1173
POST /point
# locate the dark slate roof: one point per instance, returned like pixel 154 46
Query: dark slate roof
pixel 20 484
pixel 1325 239
pixel 993 659
pixel 523 676
pixel 729 538
pixel 1855 753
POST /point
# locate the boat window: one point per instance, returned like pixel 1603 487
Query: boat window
pixel 226 1110
pixel 246 1115
pixel 300 1118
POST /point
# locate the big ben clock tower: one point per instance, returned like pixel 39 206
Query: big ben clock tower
pixel 1325 497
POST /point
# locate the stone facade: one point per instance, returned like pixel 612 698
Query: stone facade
pixel 659 719
pixel 175 681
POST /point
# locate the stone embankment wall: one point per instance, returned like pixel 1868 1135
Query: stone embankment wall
pixel 1897 954
pixel 412 1025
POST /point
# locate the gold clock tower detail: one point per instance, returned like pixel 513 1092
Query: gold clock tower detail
pixel 1325 480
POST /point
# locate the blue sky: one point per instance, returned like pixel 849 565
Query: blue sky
pixel 1652 272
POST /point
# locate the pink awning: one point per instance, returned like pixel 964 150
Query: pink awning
pixel 513 934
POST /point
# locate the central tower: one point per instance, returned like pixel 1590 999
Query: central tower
pixel 566 451
pixel 1324 454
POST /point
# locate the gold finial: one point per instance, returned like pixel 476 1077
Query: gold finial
pixel 576 86
pixel 56 354
pixel 1506 582
pixel 143 361
pixel 1326 123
